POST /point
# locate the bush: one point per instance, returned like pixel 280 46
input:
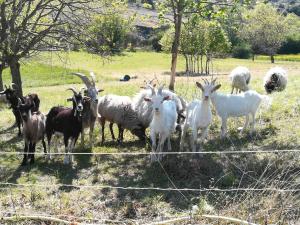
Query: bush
pixel 291 45
pixel 108 34
pixel 241 51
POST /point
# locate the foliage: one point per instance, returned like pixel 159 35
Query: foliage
pixel 241 51
pixel 292 42
pixel 30 26
pixel 108 34
pixel 264 29
pixel 198 38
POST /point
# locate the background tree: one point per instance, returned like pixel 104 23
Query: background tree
pixel 264 29
pixel 182 9
pixel 30 26
pixel 108 33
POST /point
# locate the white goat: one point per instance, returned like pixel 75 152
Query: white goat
pixel 163 121
pixel 275 80
pixel 199 115
pixel 244 104
pixel 240 78
pixel 144 109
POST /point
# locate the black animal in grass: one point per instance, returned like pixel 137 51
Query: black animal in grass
pixel 67 121
pixel 14 100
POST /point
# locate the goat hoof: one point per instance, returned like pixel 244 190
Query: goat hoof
pixel 24 163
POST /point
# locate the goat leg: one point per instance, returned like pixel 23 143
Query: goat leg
pixel 66 159
pixel 44 145
pixel 92 124
pixel 112 131
pixel 24 162
pixel 32 151
pixel 121 130
pixel 102 122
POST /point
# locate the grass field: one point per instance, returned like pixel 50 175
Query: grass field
pixel 290 57
pixel 277 128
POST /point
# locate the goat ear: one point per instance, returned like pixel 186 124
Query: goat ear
pixel 166 98
pixel 216 87
pixel 199 85
pixel 147 99
pixel 69 99
pixel 100 90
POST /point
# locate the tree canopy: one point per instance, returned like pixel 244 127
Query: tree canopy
pixel 264 28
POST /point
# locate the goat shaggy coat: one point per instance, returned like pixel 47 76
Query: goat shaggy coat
pixel 240 78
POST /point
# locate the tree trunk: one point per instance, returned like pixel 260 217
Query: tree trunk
pixel 201 58
pixel 186 63
pixel 1 80
pixel 272 59
pixel 16 75
pixel 253 57
pixel 175 47
pixel 198 65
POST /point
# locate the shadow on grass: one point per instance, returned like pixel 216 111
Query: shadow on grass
pixel 8 129
pixel 65 174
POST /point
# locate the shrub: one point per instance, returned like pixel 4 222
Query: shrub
pixel 241 51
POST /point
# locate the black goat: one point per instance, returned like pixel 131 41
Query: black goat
pixel 67 121
pixel 33 130
pixel 14 101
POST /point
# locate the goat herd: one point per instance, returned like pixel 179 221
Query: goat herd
pixel 160 109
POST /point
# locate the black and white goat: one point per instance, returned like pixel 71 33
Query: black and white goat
pixel 14 101
pixel 90 111
pixel 275 80
pixel 67 121
pixel 33 130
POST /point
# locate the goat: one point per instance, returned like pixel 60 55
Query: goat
pixel 144 109
pixel 14 100
pixel 244 104
pixel 240 78
pixel 275 80
pixel 118 109
pixel 199 115
pixel 89 114
pixel 67 121
pixel 33 130
pixel 163 122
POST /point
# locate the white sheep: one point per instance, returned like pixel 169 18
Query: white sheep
pixel 199 115
pixel 163 122
pixel 118 109
pixel 275 80
pixel 144 109
pixel 244 104
pixel 240 78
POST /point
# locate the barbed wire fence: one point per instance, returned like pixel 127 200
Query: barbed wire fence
pixel 287 188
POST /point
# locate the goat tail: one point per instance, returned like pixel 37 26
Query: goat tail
pixel 266 102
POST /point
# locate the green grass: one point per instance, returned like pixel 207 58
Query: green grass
pixel 290 57
pixel 277 128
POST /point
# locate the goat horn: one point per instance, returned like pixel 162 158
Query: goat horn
pixel 5 86
pixel 152 89
pixel 72 89
pixel 93 78
pixel 204 80
pixel 84 79
pixel 214 81
pixel 160 89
